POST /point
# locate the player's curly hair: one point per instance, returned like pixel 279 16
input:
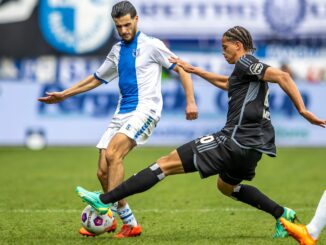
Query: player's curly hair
pixel 123 8
pixel 241 34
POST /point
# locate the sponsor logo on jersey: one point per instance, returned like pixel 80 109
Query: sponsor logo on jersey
pixel 284 16
pixel 135 52
pixel 73 26
pixel 256 68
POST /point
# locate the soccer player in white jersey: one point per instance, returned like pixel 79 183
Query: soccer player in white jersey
pixel 137 62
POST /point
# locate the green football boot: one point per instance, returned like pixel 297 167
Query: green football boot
pixel 289 215
pixel 93 199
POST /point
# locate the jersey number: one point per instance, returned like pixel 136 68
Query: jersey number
pixel 206 139
pixel 266 113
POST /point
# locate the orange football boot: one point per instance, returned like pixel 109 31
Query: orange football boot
pixel 129 231
pixel 299 232
pixel 85 232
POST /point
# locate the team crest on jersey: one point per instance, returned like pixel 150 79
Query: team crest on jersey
pixel 284 16
pixel 74 26
pixel 256 68
pixel 135 52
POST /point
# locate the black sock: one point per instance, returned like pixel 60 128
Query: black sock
pixel 252 196
pixel 139 182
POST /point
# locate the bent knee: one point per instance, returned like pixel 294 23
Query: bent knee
pixel 162 162
pixel 113 157
pixel 171 164
pixel 225 189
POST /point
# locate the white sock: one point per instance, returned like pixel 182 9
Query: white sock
pixel 127 216
pixel 318 222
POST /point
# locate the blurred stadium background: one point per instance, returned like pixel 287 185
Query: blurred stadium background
pixel 48 45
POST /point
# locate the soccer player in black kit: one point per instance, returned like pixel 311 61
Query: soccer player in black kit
pixel 233 152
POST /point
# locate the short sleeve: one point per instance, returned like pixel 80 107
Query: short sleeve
pixel 108 70
pixel 252 67
pixel 161 54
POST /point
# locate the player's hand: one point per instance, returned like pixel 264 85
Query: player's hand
pixel 184 65
pixel 52 97
pixel 313 119
pixel 191 111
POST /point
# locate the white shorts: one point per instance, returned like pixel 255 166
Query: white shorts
pixel 136 125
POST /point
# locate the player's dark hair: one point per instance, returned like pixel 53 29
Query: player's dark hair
pixel 123 8
pixel 241 34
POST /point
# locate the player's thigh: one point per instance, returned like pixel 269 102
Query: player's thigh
pixel 119 146
pixel 114 126
pixel 171 164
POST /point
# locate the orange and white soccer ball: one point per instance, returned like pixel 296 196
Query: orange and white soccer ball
pixel 94 222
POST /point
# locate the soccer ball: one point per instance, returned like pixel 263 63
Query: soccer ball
pixel 94 222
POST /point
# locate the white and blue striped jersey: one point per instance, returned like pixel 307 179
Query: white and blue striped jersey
pixel 138 66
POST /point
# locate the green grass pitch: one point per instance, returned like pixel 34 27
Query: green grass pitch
pixel 38 204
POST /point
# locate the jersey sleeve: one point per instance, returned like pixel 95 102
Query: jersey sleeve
pixel 108 70
pixel 161 54
pixel 251 67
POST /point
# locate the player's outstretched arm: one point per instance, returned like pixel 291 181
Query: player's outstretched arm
pixel 191 108
pixel 84 85
pixel 217 80
pixel 290 88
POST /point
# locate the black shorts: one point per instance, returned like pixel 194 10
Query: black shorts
pixel 218 154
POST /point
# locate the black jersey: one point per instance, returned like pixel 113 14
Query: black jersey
pixel 248 119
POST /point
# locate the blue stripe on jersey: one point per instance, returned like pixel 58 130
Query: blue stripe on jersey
pixel 127 76
pixel 172 66
pixel 100 79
